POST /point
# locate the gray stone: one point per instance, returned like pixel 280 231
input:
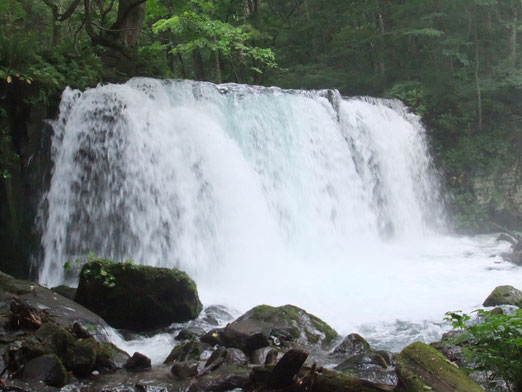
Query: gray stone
pixel 504 295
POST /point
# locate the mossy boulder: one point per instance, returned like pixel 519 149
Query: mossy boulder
pixel 56 338
pixel 81 358
pixel 109 358
pixel 137 298
pixel 285 325
pixel 504 295
pixel 422 368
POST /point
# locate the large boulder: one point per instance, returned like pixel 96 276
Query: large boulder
pixel 504 295
pixel 135 297
pixel 48 305
pixel 280 326
pixel 422 368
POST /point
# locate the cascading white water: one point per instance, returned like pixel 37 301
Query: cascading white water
pixel 262 195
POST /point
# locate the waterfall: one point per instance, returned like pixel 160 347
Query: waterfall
pixel 268 196
pixel 199 176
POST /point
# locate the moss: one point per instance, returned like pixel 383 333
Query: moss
pixel 504 295
pixel 56 338
pixel 12 285
pixel 421 367
pixel 320 325
pixel 297 317
pixel 145 297
pixel 82 357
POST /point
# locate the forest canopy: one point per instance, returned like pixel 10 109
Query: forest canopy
pixel 455 62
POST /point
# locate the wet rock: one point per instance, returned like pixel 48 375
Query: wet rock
pixel 504 295
pixel 225 378
pixel 65 291
pixel 265 356
pixel 212 337
pixel 81 358
pixel 190 333
pixel 286 369
pixel 451 346
pixel 21 351
pixel 185 351
pixel 184 370
pixel 506 237
pixel 421 367
pixel 80 332
pixel 47 368
pixel 236 356
pixel 351 345
pixel 361 361
pixel 375 366
pixel 146 297
pixel 138 362
pixel 109 358
pixel 280 326
pixel 514 257
pixel 56 338
pixel 56 308
pixel 216 315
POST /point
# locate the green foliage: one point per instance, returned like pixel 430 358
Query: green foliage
pixel 468 216
pixel 494 344
pixel 413 94
pixel 197 28
pixel 97 271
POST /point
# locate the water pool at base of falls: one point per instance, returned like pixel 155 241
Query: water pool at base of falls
pixel 265 196
pixel 397 303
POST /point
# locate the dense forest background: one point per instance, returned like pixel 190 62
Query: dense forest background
pixel 457 63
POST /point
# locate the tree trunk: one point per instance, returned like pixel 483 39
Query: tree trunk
pixel 198 65
pixel 477 81
pixel 514 31
pixel 131 14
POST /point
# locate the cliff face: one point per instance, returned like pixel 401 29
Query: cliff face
pixel 500 193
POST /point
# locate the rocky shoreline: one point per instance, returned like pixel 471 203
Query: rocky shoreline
pixel 49 342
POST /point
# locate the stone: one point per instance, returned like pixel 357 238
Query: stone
pixel 421 368
pixel 265 356
pixel 278 326
pixel 65 291
pixel 212 337
pixel 47 368
pixel 190 333
pixel 184 370
pixel 216 315
pixel 138 362
pixel 22 351
pixel 363 360
pixel 286 369
pixel 351 345
pixel 504 295
pixel 81 358
pixel 56 338
pixel 190 350
pixel 146 298
pixel 109 358
pixel 506 237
